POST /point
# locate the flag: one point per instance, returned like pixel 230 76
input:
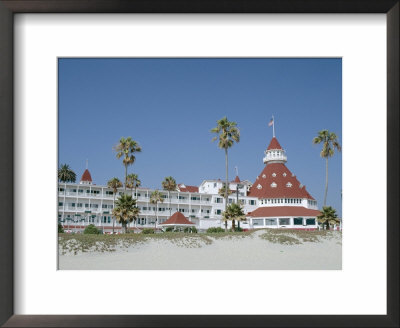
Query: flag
pixel 271 122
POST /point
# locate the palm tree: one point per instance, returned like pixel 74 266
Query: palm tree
pixel 136 183
pixel 132 182
pixel 228 134
pixel 65 174
pixel 329 144
pixel 126 149
pixel 169 184
pixel 233 212
pixel 114 184
pixel 156 198
pixel 222 191
pixel 126 210
pixel 328 216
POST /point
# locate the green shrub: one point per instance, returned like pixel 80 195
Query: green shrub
pixel 60 228
pixel 190 229
pixel 169 229
pixel 147 231
pixel 238 229
pixel 215 229
pixel 91 230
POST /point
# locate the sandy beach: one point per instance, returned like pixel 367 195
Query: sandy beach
pixel 250 252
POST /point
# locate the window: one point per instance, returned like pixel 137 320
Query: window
pixel 61 189
pixel 86 205
pixel 215 185
pixel 273 185
pixel 264 176
pixel 218 200
pixel 60 203
pixel 288 185
pixel 230 200
pixel 310 221
pixel 298 221
pixel 104 206
pixel 270 222
pixel 285 221
pixel 218 212
pixel 284 174
pixel 259 186
pixel 252 202
pixel 258 222
pixel 274 174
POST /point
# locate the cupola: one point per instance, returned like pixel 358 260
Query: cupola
pixel 274 153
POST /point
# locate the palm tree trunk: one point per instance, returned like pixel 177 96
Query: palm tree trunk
pixel 226 181
pixel 226 185
pixel 326 182
pixel 155 223
pixel 169 197
pixel 126 174
pixel 113 215
pixel 233 225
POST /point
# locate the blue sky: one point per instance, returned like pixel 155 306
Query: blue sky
pixel 170 105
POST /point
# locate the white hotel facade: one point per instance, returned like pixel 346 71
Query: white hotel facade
pixel 275 200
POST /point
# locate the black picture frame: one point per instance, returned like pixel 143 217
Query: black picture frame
pixel 10 7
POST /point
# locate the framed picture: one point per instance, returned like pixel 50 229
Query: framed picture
pixel 35 293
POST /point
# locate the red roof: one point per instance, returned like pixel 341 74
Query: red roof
pixel 287 185
pixel 86 176
pixel 178 218
pixel 185 188
pixel 236 179
pixel 274 144
pixel 274 211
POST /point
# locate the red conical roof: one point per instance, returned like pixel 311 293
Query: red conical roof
pixel 178 218
pixel 274 144
pixel 276 181
pixel 86 176
pixel 236 179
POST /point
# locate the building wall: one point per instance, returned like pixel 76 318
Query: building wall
pixel 80 205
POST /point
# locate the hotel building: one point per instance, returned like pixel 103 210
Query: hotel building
pixel 275 200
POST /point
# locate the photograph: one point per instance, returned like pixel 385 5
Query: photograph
pixel 200 164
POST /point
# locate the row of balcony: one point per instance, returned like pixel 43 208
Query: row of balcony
pixel 140 198
pixel 108 211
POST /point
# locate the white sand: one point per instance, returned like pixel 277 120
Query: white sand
pixel 249 253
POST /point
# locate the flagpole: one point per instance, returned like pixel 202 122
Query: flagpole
pixel 273 126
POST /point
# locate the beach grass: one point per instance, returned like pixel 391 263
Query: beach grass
pixel 291 237
pixel 83 243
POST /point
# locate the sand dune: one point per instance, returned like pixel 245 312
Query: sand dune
pixel 244 253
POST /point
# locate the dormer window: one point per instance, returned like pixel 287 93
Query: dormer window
pixel 288 185
pixel 259 186
pixel 274 174
pixel 264 176
pixel 284 174
pixel 273 185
